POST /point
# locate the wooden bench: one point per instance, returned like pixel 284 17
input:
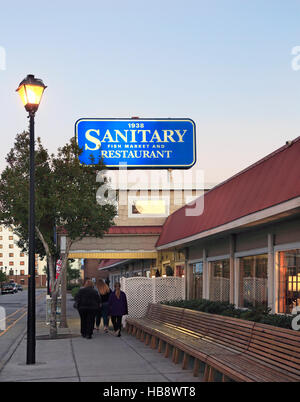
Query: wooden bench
pixel 240 350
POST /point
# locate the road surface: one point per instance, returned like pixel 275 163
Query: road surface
pixel 15 306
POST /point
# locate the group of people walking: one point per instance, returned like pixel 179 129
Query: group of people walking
pixel 100 302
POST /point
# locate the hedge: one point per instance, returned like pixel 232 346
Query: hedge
pixel 258 314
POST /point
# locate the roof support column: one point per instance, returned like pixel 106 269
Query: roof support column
pixel 188 274
pixel 231 267
pixel 271 270
pixel 205 275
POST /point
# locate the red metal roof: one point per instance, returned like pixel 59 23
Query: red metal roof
pixel 270 181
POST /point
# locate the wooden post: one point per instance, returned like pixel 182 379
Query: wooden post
pixel 167 350
pixel 196 368
pixel 185 361
pixel 206 373
pixel 147 339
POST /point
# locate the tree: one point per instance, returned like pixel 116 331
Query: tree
pixel 3 277
pixel 65 198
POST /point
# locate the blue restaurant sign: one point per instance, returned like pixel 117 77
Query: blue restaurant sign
pixel 142 143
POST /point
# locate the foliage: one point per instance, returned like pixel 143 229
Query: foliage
pixel 65 198
pixel 72 273
pixel 75 290
pixel 258 314
pixel 3 277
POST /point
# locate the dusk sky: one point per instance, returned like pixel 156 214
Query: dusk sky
pixel 224 64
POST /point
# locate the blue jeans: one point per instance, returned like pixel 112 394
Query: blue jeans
pixel 104 314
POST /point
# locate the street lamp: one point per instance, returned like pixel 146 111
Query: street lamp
pixel 31 90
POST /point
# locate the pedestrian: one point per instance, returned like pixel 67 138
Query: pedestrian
pixel 117 308
pixel 104 293
pixel 88 302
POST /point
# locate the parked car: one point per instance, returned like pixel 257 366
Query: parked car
pixel 15 286
pixel 20 288
pixel 7 288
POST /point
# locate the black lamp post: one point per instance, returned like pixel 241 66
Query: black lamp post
pixel 31 90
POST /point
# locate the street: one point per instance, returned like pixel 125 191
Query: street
pixel 15 306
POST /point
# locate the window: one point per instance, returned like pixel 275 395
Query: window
pixel 253 286
pixel 22 263
pixel 11 246
pixel 1 237
pixel 288 280
pixel 11 263
pixel 10 237
pixel 1 264
pixel 21 254
pixel 11 272
pixel 148 207
pixel 1 254
pixel 11 254
pixel 219 281
pixel 197 283
pixel 0 229
pixel 1 246
pixel 22 272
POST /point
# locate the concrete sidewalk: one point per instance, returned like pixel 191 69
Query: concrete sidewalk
pixel 102 358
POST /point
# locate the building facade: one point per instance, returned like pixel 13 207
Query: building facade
pixel 14 262
pixel 245 247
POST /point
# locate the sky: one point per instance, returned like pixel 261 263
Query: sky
pixel 226 64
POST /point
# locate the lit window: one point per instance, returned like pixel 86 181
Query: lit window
pixel 11 246
pixel 288 265
pixel 10 237
pixel 21 254
pixel 148 207
pixel 11 263
pixel 22 263
pixel 11 254
pixel 22 272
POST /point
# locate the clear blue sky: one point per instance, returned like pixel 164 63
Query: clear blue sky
pixel 225 64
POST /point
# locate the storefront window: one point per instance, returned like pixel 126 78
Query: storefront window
pixel 220 281
pixel 254 281
pixel 197 283
pixel 289 280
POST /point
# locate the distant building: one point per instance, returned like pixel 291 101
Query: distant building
pixel 14 262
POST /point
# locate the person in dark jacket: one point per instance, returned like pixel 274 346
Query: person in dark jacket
pixel 104 292
pixel 88 303
pixel 117 307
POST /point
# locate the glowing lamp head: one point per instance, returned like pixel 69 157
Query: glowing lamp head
pixel 31 90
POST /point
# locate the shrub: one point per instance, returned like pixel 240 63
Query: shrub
pixel 71 286
pixel 259 313
pixel 75 291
